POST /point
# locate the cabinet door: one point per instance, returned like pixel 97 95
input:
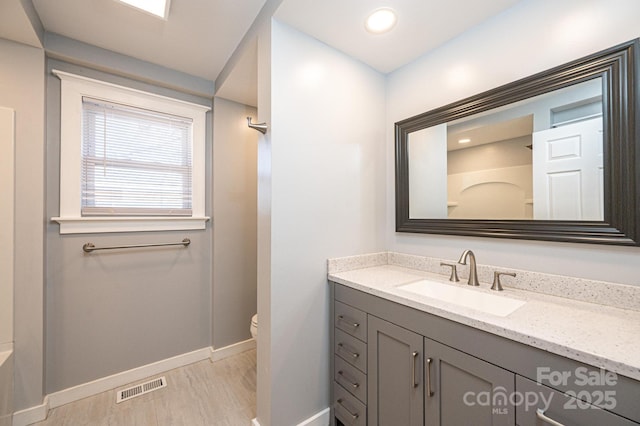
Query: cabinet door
pixel 394 375
pixel 464 390
pixel 542 405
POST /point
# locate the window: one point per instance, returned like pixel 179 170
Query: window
pixel 134 162
pixel 130 160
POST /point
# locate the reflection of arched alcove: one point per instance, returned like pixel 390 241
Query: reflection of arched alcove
pixel 498 200
pixel 491 194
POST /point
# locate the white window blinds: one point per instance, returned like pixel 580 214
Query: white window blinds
pixel 134 161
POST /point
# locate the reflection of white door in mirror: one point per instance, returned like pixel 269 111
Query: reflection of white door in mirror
pixel 568 172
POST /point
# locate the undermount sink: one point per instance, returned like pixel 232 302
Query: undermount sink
pixel 466 297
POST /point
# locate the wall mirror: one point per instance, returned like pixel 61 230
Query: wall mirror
pixel 550 157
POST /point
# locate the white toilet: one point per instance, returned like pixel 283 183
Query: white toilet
pixel 254 326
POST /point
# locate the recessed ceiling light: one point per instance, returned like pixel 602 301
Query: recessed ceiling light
pixel 381 20
pixel 465 140
pixel 158 8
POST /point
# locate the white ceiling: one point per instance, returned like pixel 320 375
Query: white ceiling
pixel 15 24
pixel 422 25
pixel 490 132
pixel 198 38
pixel 200 35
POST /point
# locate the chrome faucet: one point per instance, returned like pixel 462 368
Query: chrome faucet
pixel 473 272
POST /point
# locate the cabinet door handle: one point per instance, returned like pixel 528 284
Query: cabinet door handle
pixel 353 354
pixel 413 369
pixel 540 414
pixel 353 415
pixel 352 324
pixel 353 384
pixel 429 391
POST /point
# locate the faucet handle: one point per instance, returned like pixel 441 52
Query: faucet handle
pixel 497 285
pixel 454 271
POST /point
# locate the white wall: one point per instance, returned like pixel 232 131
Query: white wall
pixel 263 368
pixel 532 36
pixel 7 147
pixel 6 388
pixel 235 151
pixel 327 174
pixel 22 89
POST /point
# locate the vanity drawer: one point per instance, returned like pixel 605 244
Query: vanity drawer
pixel 352 379
pixel 351 320
pixel 564 409
pixel 347 408
pixel 351 350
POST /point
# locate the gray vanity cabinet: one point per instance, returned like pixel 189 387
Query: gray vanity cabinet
pixel 417 381
pixel 422 369
pixel 461 389
pixel 395 385
pixel 349 365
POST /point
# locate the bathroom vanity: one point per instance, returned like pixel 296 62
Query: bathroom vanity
pixel 402 357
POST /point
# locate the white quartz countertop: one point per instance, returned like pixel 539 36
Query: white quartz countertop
pixel 598 335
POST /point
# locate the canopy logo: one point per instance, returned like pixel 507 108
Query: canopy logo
pixel 584 388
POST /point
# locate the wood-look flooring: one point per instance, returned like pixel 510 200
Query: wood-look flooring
pixel 205 393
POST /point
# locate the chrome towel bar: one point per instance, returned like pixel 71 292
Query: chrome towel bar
pixel 89 247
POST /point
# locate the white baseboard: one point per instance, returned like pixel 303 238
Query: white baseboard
pixel 66 396
pixel 231 350
pixel 32 414
pixel 323 418
pixel 95 387
pixel 320 419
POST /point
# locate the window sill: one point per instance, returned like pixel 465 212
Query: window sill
pixel 97 225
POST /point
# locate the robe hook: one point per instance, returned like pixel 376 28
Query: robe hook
pixel 261 127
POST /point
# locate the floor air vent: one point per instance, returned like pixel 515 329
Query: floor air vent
pixel 141 389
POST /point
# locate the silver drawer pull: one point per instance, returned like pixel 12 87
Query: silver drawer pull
pixel 429 391
pixel 541 416
pixel 353 415
pixel 353 354
pixel 352 324
pixel 413 369
pixel 353 384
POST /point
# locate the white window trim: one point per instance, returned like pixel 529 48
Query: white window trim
pixel 73 88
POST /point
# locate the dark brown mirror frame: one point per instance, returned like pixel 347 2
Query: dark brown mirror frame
pixel 619 69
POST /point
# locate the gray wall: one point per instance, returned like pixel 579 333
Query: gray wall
pixel 235 198
pixel 70 50
pixel 107 312
pixel 22 89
